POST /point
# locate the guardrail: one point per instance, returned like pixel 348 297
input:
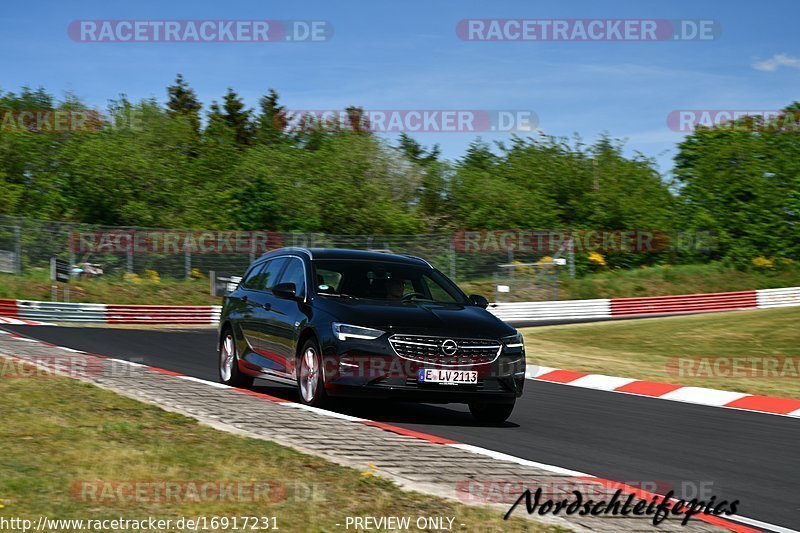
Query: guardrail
pixel 554 310
pixel 8 308
pixel 518 312
pixel 109 314
pixel 786 297
pixel 567 310
pixel 157 314
pixel 689 303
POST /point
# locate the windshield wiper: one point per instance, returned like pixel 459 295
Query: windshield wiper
pixel 338 295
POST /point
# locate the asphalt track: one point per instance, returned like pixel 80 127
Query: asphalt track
pixel 752 457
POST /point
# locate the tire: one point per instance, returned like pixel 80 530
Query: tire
pixel 229 373
pixel 310 378
pixel 491 414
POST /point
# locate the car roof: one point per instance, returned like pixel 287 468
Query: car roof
pixel 343 253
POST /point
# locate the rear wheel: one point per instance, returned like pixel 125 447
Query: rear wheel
pixel 491 413
pixel 310 382
pixel 229 372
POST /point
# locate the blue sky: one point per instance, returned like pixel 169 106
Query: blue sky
pixel 406 55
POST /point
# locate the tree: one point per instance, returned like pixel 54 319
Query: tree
pixel 238 118
pixel 741 180
pixel 272 120
pixel 183 102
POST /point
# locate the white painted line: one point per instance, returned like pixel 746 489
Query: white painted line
pixel 534 371
pixel 601 382
pixel 204 382
pixel 323 412
pixel 704 396
pixel 795 413
pixel 69 349
pixel 518 460
pixel 26 339
pixel 129 362
pixel 760 524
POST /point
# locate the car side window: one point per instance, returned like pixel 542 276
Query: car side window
pixel 295 273
pixel 253 277
pixel 328 280
pixel 271 273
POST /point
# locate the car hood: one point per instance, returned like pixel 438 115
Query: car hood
pixel 417 317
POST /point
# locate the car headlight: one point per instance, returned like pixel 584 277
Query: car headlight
pixel 348 331
pixel 514 341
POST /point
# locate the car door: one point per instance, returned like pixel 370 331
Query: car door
pixel 240 306
pixel 289 316
pixel 259 327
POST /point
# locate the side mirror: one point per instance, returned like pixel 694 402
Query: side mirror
pixel 287 291
pixel 479 300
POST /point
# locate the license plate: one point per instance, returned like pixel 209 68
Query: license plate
pixel 448 377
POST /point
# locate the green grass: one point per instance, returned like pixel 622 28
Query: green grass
pixel 653 281
pixel 36 285
pixel 679 279
pixel 644 348
pixel 56 432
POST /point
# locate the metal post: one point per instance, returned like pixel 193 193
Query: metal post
pixel 571 257
pixel 130 262
pixel 452 260
pixel 18 250
pixel 555 283
pixel 251 255
pixel 187 264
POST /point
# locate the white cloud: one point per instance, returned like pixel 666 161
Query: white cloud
pixel 775 62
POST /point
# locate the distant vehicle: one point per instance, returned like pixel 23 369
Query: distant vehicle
pixel 338 322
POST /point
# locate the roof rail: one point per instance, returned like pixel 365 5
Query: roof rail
pixel 291 249
pixel 419 258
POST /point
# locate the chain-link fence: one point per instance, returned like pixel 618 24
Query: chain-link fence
pixel 104 251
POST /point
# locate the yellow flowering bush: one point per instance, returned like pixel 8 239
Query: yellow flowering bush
pixel 597 259
pixel 129 276
pixel 763 263
pixel 152 276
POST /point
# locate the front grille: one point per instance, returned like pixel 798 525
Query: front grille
pixel 414 383
pixel 445 351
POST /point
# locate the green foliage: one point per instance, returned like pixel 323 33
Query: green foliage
pixel 161 165
pixel 742 181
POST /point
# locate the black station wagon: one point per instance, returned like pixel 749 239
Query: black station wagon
pixel 338 322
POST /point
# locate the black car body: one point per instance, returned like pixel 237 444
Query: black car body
pixel 354 323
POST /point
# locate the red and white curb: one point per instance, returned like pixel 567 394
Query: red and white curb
pixel 735 523
pixel 668 391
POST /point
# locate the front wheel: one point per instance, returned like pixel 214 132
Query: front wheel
pixel 491 413
pixel 310 382
pixel 229 372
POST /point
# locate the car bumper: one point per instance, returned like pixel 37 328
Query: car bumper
pixel 373 370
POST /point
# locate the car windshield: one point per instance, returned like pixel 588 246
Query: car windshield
pixel 379 280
